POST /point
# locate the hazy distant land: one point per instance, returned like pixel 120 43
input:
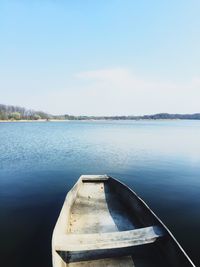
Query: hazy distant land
pixel 15 113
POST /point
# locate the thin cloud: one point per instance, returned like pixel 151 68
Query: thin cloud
pixel 116 91
pixel 120 91
pixel 121 77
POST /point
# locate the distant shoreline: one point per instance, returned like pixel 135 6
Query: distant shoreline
pixel 93 120
pixel 10 113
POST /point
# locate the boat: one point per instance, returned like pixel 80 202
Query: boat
pixel 105 223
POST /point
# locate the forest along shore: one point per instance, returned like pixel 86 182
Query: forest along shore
pixel 19 114
pixel 41 120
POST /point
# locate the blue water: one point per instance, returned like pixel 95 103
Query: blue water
pixel 39 162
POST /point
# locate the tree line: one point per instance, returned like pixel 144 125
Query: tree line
pixel 8 112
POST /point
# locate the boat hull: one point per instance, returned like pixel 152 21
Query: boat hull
pixel 105 223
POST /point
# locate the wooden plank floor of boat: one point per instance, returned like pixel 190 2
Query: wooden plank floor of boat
pixel 117 262
pixel 97 210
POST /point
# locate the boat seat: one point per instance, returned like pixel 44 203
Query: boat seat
pixel 84 243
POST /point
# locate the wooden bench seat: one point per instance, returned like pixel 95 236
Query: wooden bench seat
pixel 85 242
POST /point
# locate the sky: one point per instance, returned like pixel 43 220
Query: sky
pixel 106 57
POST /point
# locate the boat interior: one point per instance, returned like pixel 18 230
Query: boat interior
pixel 109 225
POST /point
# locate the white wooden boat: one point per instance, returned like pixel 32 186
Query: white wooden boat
pixel 104 223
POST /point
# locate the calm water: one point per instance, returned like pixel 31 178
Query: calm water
pixel 39 162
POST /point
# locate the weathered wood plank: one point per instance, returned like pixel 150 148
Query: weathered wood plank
pixel 94 178
pixel 85 242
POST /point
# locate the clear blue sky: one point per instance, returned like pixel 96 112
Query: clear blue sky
pixel 101 57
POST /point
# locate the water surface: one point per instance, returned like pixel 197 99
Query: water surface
pixel 39 162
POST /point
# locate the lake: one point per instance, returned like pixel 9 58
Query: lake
pixel 40 161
